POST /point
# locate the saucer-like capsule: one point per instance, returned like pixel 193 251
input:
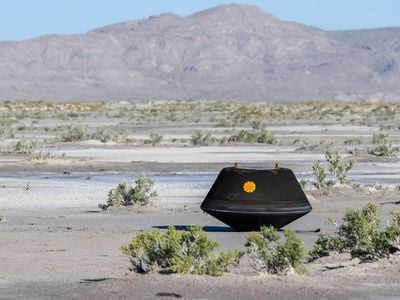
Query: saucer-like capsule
pixel 246 199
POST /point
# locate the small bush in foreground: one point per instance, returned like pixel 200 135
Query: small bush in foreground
pixel 126 194
pixel 266 252
pixel 360 235
pixel 186 252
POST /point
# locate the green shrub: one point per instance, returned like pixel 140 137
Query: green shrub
pixel 186 252
pixel 103 135
pixel 261 136
pixel 265 137
pixel 303 183
pixel 25 147
pixel 7 133
pixel 338 167
pixel 200 138
pixel 353 141
pixel 319 174
pixel 266 252
pixel 360 229
pixel 223 123
pixel 155 139
pixel 360 235
pixel 256 125
pixel 23 127
pixel 126 194
pixel 74 134
pixel 324 245
pixel 383 146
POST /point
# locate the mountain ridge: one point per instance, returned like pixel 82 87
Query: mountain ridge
pixel 230 52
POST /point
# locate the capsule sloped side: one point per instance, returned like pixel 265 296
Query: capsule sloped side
pixel 245 221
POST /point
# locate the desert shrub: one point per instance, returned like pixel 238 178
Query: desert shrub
pixel 1 218
pixel 126 194
pixel 360 230
pixel 265 137
pixel 44 156
pixel 223 140
pixel 320 176
pixel 261 136
pixel 200 138
pixel 74 134
pixel 223 123
pixel 7 132
pixel 256 125
pixel 155 139
pixel 103 135
pixel 25 147
pixel 303 183
pixel 383 145
pixel 338 167
pixel 324 245
pixel 186 252
pixel 23 127
pixel 353 141
pixel 267 253
pixel 360 235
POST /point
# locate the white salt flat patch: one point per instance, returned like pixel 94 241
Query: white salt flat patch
pixel 6 159
pixel 80 193
pixel 191 154
pixel 321 128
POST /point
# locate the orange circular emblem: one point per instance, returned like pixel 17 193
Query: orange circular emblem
pixel 249 186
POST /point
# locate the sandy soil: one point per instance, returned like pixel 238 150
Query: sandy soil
pixel 56 244
pixel 74 254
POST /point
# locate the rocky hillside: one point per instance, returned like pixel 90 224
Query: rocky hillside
pixel 228 52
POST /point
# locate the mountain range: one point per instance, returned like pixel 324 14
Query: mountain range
pixel 230 52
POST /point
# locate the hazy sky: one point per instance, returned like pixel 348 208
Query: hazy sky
pixel 22 19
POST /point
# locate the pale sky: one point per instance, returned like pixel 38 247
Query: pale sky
pixel 23 19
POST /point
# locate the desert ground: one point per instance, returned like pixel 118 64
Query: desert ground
pixel 59 160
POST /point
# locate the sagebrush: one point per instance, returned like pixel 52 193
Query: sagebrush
pixel 338 167
pixel 267 253
pixel 126 194
pixel 259 135
pixel 186 252
pixel 383 145
pixel 361 236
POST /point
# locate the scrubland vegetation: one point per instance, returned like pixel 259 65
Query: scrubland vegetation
pixel 361 236
pixel 338 167
pixel 268 254
pixel 191 251
pixel 127 194
pixel 217 123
